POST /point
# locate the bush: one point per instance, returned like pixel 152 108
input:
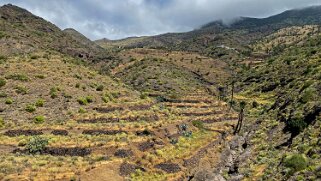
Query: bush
pixel 308 95
pixel 40 76
pixel 1 122
pixel 77 85
pixel 105 99
pixel 296 162
pixel 2 82
pixel 21 90
pixel 82 110
pixel 20 77
pixel 9 101
pixel 36 144
pixel 53 92
pixel 30 108
pixel 82 101
pixel 89 99
pixel 255 104
pixel 39 119
pixel 100 88
pixel 198 124
pixel 40 103
pixel 143 95
pixel 296 125
pixel 3 95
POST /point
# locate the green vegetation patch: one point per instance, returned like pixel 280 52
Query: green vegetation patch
pixel 36 144
pixel 296 162
pixel 20 77
pixel 2 82
pixel 30 108
pixel 39 119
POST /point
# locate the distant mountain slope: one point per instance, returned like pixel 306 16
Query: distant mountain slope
pixel 210 38
pixel 23 32
pixel 106 43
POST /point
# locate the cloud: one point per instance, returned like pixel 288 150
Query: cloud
pixel 116 19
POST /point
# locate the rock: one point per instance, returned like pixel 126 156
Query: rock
pixel 236 177
pixel 244 156
pixel 237 142
pixel 206 175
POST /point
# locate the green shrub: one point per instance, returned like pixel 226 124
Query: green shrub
pixel 3 95
pixel 39 119
pixel 198 124
pixel 105 99
pixel 143 95
pixel 1 122
pixel 255 104
pixel 40 76
pixel 82 101
pixel 295 162
pixel 30 108
pixel 40 103
pixel 77 85
pixel 53 92
pixel 36 144
pixel 21 90
pixel 2 82
pixel 82 110
pixel 100 88
pixel 296 125
pixel 116 95
pixel 9 101
pixel 2 34
pixel 308 95
pixel 89 99
pixel 109 97
pixel 20 77
pixel 77 76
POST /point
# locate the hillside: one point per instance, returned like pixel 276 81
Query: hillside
pixel 61 119
pixel 219 40
pixel 23 32
pixel 165 107
pixel 286 101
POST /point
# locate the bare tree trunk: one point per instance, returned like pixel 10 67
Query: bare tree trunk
pixel 239 122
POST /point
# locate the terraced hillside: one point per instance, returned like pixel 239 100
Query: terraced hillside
pixel 71 111
pixel 162 72
pixel 126 137
pixel 60 119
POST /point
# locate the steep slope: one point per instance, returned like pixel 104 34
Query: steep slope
pixel 283 112
pixel 22 32
pixel 79 37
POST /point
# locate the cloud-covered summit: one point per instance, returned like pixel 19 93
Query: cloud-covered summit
pixel 116 19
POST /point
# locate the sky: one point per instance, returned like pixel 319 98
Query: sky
pixel 116 19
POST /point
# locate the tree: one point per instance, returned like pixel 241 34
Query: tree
pixel 241 117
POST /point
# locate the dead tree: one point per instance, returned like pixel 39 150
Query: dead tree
pixel 241 117
pixel 232 95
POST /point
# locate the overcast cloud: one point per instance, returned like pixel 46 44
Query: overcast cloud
pixel 115 19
